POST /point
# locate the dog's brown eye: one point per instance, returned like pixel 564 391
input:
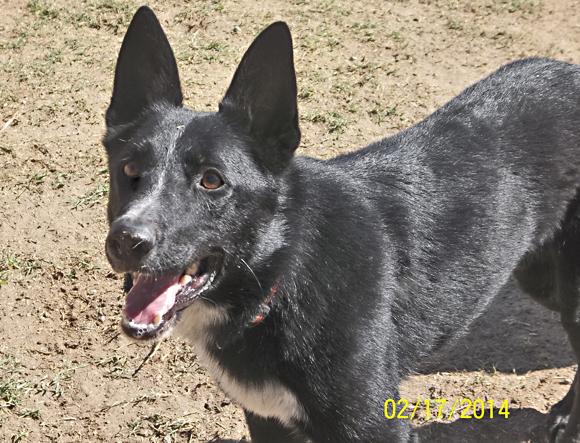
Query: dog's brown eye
pixel 211 180
pixel 131 170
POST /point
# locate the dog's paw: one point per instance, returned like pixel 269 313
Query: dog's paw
pixel 414 437
pixel 556 426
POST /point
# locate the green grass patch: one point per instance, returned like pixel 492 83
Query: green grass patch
pixel 42 9
pixel 92 197
pixel 112 15
pixel 334 121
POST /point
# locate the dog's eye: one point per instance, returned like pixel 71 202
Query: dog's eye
pixel 211 180
pixel 131 170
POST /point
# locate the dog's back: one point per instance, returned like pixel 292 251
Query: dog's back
pixel 466 193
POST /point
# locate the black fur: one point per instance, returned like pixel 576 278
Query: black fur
pixel 379 257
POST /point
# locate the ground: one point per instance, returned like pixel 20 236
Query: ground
pixel 366 69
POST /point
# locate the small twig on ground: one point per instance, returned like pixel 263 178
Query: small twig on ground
pixel 7 124
pixel 147 357
pixel 113 337
pixel 143 398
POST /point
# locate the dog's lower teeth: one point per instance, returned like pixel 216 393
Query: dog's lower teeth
pixel 185 279
pixel 157 320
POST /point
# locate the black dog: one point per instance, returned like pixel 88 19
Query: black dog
pixel 311 288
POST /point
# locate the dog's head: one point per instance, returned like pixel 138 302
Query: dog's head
pixel 191 193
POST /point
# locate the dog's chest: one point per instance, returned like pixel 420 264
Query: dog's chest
pixel 268 398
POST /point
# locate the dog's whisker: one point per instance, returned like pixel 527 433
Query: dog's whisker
pixel 208 300
pixel 252 273
pixel 136 245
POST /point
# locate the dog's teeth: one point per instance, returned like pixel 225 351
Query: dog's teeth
pixel 185 279
pixel 192 270
pixel 134 275
pixel 157 319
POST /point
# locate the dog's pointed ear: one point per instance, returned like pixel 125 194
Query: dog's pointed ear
pixel 146 71
pixel 262 95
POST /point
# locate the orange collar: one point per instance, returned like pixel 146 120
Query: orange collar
pixel 264 308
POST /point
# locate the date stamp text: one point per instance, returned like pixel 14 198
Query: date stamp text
pixel 444 409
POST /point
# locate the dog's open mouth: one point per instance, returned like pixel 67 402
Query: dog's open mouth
pixel 154 300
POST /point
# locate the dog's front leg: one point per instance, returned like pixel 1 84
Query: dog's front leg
pixel 566 414
pixel 268 430
pixel 560 412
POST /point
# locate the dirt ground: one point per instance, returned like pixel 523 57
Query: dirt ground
pixel 365 70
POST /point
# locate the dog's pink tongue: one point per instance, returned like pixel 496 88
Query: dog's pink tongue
pixel 150 298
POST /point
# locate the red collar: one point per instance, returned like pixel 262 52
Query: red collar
pixel 264 308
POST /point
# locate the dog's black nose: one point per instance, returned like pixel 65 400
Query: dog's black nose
pixel 127 245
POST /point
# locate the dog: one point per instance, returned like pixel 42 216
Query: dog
pixel 311 288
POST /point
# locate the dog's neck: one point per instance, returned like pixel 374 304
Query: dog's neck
pixel 265 305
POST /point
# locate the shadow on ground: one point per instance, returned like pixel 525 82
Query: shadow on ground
pixel 523 425
pixel 516 334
